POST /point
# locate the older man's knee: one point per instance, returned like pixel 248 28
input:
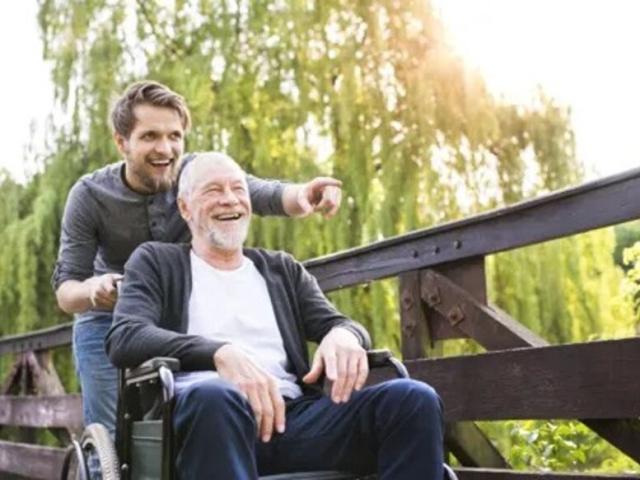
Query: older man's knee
pixel 412 396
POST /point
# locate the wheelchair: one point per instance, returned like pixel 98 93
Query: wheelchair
pixel 144 447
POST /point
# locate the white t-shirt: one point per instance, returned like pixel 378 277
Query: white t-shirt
pixel 234 306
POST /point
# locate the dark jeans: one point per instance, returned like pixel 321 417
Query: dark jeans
pixel 393 428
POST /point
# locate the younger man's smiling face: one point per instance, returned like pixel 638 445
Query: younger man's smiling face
pixel 153 150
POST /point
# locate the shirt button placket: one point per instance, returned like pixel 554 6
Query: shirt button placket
pixel 155 215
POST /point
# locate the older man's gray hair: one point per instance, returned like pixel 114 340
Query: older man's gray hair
pixel 188 175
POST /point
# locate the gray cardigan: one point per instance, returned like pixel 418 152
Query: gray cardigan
pixel 151 315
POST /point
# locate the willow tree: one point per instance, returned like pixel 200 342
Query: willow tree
pixel 366 91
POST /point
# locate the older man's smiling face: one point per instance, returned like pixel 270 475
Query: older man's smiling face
pixel 219 205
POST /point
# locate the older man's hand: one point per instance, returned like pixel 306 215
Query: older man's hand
pixel 343 361
pixel 322 194
pixel 259 387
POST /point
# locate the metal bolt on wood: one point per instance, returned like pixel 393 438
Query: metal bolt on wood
pixel 407 302
pixel 409 328
pixel 433 296
pixel 455 315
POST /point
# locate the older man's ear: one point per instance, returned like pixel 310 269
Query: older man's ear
pixel 184 209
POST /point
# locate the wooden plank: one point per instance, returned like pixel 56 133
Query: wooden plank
pixel 42 412
pixel 23 387
pixel 466 441
pixel 469 275
pixel 30 461
pixel 471 446
pixel 495 330
pixel 46 381
pixel 589 380
pixel 624 434
pixel 413 322
pixel 45 378
pixel 491 328
pixel 499 474
pixel 44 339
pixel 592 205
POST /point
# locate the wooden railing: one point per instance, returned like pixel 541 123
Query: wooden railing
pixel 442 296
pixel 32 396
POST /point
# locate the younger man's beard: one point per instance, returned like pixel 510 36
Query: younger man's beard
pixel 156 184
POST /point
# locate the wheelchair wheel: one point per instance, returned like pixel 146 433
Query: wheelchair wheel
pixel 449 474
pixel 73 466
pixel 99 454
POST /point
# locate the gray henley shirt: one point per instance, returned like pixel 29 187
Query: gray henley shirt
pixel 104 221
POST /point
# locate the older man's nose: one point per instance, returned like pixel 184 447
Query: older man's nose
pixel 229 197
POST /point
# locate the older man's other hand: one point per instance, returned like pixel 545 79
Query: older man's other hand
pixel 259 387
pixel 343 361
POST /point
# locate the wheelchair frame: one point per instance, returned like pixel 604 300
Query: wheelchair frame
pixel 144 432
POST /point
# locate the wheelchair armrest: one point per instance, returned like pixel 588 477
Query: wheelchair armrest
pixel 157 370
pixel 151 368
pixel 379 357
pixel 384 358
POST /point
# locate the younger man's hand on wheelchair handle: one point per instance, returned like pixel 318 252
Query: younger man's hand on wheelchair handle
pixel 103 290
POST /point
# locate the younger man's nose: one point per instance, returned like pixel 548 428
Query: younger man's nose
pixel 164 147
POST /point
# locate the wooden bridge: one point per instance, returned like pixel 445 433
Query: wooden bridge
pixel 441 274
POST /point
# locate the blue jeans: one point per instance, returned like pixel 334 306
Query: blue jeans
pixel 393 429
pixel 98 378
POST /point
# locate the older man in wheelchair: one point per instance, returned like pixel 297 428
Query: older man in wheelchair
pixel 247 403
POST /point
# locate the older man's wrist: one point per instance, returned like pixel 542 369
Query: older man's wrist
pixel 352 331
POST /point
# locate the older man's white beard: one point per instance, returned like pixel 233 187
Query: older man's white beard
pixel 229 239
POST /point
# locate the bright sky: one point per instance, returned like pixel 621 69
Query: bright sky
pixel 25 85
pixel 580 51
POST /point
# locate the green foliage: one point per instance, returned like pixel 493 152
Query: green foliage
pixel 367 91
pixel 627 234
pixel 631 259
pixel 567 290
pixel 557 446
